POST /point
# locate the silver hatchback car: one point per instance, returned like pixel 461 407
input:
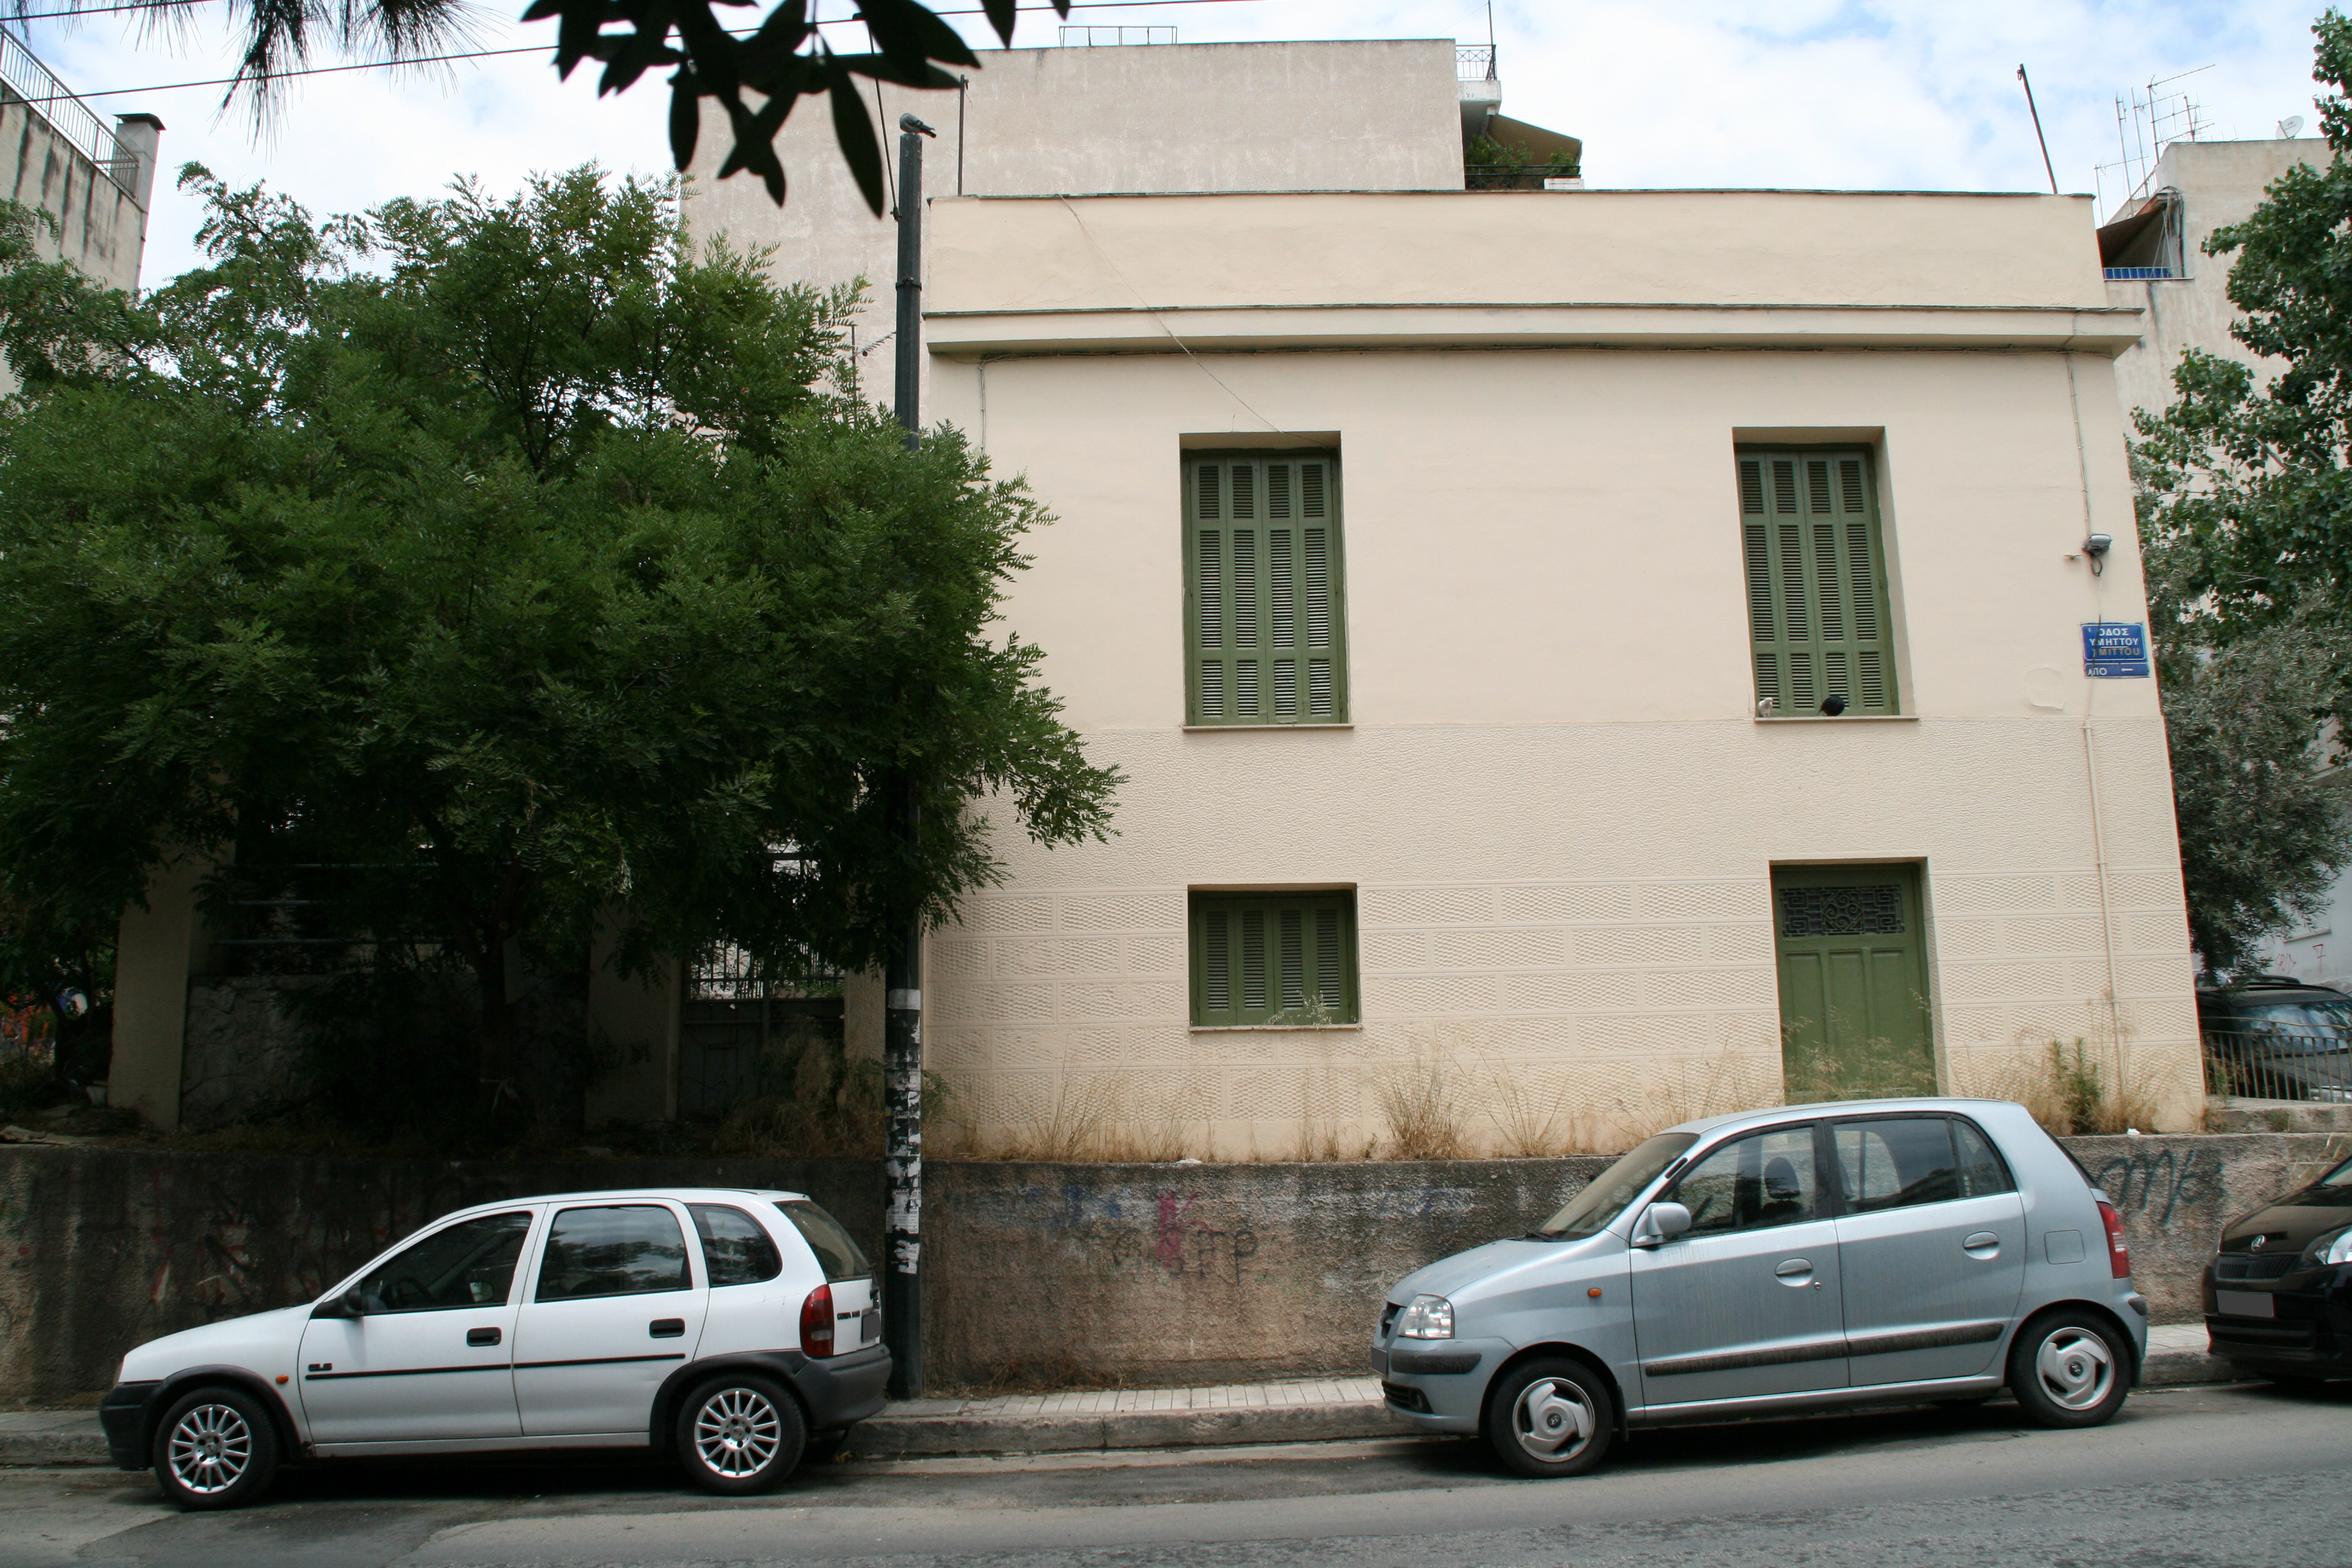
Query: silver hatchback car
pixel 1775 1263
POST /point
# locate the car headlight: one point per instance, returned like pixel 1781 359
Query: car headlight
pixel 2334 1248
pixel 1427 1318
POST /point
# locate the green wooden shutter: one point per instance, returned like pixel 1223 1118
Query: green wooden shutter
pixel 1265 624
pixel 1273 958
pixel 1816 577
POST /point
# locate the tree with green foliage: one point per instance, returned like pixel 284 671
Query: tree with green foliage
pixel 2246 520
pixel 551 575
pixel 779 61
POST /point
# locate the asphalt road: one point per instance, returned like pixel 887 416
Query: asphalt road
pixel 2184 1478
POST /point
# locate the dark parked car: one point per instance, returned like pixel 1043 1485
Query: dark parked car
pixel 2273 1037
pixel 2278 1294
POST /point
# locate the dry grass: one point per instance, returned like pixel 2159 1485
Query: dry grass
pixel 1091 1121
pixel 2070 1088
pixel 1423 1120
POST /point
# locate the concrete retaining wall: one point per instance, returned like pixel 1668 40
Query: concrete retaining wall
pixel 1149 1274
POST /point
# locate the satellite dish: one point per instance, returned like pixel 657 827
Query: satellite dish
pixel 2291 127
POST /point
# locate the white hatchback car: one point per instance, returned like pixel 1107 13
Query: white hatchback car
pixel 736 1330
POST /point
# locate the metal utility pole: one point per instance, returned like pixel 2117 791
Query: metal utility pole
pixel 2039 139
pixel 902 979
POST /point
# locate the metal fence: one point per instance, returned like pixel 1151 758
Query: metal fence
pixel 31 82
pixel 1473 62
pixel 2280 1061
pixel 1516 176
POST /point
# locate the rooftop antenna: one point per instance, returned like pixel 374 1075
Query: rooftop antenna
pixel 1490 24
pixel 2042 141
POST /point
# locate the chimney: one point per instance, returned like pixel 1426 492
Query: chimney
pixel 135 136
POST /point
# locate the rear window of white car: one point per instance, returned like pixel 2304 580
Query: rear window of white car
pixel 837 1255
pixel 736 1248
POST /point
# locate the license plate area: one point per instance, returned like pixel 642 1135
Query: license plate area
pixel 2245 1304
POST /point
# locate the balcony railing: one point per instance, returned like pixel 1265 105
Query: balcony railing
pixel 2303 1062
pixel 1473 62
pixel 2135 274
pixel 31 82
pixel 1106 38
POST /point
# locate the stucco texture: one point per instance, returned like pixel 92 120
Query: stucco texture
pixel 1555 805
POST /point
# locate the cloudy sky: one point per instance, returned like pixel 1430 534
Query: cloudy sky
pixel 1820 93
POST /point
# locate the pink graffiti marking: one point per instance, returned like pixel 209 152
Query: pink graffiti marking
pixel 1168 1242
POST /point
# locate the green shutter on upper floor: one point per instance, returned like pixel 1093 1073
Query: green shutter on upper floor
pixel 1816 576
pixel 1265 618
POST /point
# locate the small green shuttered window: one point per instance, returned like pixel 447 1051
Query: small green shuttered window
pixel 1816 582
pixel 1274 958
pixel 1264 626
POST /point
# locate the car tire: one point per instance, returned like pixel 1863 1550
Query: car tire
pixel 215 1447
pixel 1550 1417
pixel 2070 1369
pixel 740 1434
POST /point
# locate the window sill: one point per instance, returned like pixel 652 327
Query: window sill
pixel 1840 719
pixel 1245 729
pixel 1268 1028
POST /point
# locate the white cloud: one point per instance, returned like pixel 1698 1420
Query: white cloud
pixel 1826 93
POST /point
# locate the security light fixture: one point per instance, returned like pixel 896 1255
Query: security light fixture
pixel 2096 548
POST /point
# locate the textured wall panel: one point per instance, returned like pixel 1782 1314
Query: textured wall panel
pixel 1594 898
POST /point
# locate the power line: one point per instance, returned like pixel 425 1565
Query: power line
pixel 1081 5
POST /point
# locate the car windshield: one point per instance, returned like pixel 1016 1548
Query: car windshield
pixel 2339 1177
pixel 1605 1198
pixel 2299 1028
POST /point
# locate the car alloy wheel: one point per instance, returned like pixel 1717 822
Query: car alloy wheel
pixel 2075 1368
pixel 2069 1369
pixel 1552 1419
pixel 1549 1417
pixel 209 1449
pixel 737 1432
pixel 740 1434
pixel 214 1448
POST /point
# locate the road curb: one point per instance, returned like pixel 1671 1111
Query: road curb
pixel 47 1438
pixel 61 1438
pixel 889 1435
pixel 2178 1368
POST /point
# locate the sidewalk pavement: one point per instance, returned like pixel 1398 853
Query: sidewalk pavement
pixel 1291 1411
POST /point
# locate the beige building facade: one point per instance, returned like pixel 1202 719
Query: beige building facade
pixel 1550 800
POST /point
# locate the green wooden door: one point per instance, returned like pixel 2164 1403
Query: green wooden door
pixel 1853 982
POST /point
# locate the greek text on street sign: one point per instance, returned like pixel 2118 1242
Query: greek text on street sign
pixel 2114 649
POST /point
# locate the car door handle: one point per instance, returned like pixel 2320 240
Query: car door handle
pixel 1982 1244
pixel 480 1336
pixel 666 1328
pixel 1795 1269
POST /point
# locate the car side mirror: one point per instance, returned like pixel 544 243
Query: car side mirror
pixel 350 1304
pixel 1660 1222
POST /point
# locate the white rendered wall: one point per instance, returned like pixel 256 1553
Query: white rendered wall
pixel 1368 116
pixel 1556 809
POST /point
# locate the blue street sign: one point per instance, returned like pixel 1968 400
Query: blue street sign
pixel 2114 649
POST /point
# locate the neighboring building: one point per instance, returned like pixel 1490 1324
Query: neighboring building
pixel 2154 253
pixel 94 179
pixel 1425 556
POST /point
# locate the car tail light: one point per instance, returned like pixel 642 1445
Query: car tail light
pixel 816 1322
pixel 2118 1252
